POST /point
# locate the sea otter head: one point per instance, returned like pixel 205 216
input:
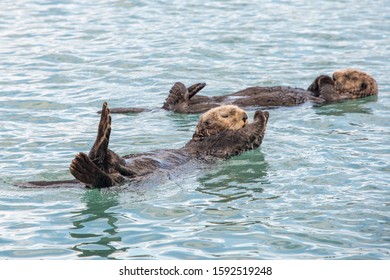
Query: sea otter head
pixel 354 83
pixel 345 84
pixel 227 117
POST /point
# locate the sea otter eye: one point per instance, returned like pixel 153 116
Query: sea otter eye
pixel 363 86
pixel 225 116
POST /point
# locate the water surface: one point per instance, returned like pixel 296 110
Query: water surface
pixel 317 188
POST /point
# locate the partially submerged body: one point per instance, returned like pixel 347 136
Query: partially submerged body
pixel 221 133
pixel 344 84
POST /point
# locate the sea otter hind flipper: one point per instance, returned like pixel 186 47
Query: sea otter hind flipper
pixel 96 169
pixel 194 89
pixel 84 170
pixel 99 151
pixel 177 99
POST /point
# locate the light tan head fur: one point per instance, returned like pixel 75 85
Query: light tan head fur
pixel 227 117
pixel 354 83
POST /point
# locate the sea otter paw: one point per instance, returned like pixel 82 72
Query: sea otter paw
pixel 84 170
pixel 100 147
pixel 315 87
pixel 261 117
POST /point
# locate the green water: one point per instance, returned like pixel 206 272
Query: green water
pixel 317 188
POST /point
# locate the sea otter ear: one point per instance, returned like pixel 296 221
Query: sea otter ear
pixel 194 89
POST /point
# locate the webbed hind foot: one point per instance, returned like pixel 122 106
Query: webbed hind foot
pixel 84 170
pixel 194 89
pixel 99 151
pixel 179 96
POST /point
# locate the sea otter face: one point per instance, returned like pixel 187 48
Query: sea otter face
pixel 227 117
pixel 354 83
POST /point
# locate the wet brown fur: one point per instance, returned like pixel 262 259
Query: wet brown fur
pixel 220 133
pixel 354 84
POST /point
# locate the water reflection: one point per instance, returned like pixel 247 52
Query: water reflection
pixel 95 225
pixel 346 107
pixel 237 178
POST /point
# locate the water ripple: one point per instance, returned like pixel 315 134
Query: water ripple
pixel 317 188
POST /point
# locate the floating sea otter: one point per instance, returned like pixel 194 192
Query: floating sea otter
pixel 221 132
pixel 345 84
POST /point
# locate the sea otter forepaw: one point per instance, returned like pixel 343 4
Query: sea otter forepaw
pixel 315 87
pixel 261 116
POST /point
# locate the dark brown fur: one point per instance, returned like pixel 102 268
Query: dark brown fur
pixel 345 84
pixel 103 168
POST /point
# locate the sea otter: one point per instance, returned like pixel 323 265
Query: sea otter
pixel 221 132
pixel 344 84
